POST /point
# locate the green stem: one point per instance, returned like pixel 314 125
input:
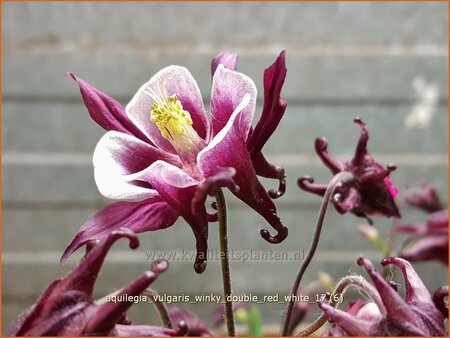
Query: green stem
pixel 339 177
pixel 223 240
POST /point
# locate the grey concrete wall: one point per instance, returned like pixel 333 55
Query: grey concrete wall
pixel 344 59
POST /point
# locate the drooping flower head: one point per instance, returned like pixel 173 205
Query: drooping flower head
pixel 66 307
pixel 164 155
pixel 369 193
pixel 427 241
pixel 417 314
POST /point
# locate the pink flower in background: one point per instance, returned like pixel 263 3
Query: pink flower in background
pixel 424 197
pixel 427 241
pixel 371 192
pixel 67 307
pixel 163 157
pixel 417 314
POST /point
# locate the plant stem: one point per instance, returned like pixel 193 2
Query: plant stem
pixel 223 240
pixel 339 177
pixel 340 289
pixel 160 307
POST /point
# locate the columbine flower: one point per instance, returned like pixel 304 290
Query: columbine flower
pixel 66 308
pixel 371 191
pixel 164 155
pixel 424 197
pixel 414 315
pixel 195 326
pixel 428 241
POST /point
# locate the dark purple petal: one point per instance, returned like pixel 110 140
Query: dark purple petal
pixel 377 200
pixel 424 197
pixel 396 308
pixel 232 91
pixel 31 315
pixel 228 149
pixel 273 108
pixel 107 112
pixel 417 296
pixel 347 199
pixel 194 325
pixel 83 277
pixel 265 169
pixel 438 221
pixel 65 317
pixel 439 301
pixel 64 303
pixel 228 60
pixel 321 146
pixel 432 247
pixel 416 292
pixel 306 183
pixel 178 189
pixel 361 146
pixel 222 178
pixel 147 215
pixel 108 313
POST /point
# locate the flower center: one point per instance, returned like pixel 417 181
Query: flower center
pixel 170 117
pixel 174 123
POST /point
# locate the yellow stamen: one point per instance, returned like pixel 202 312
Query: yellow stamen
pixel 174 123
pixel 170 117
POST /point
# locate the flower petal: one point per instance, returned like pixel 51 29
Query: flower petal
pixel 397 309
pixel 274 106
pixel 227 149
pixel 418 297
pixel 428 248
pixel 229 88
pixel 352 325
pixel 416 292
pixel 147 215
pixel 222 178
pixel 118 155
pixel 108 313
pixel 173 80
pixel 265 169
pixel 228 60
pixel 106 111
pixel 178 190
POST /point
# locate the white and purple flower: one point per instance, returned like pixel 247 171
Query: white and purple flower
pixel 162 156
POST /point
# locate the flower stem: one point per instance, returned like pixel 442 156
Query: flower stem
pixel 339 177
pixel 340 289
pixel 223 240
pixel 160 307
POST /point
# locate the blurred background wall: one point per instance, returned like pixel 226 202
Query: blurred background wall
pixel 375 60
